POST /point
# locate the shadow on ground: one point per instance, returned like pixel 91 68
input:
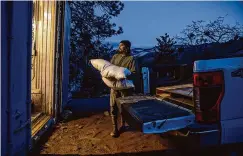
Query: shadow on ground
pixel 78 106
pixel 87 107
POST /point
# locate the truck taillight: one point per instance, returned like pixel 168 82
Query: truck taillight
pixel 208 92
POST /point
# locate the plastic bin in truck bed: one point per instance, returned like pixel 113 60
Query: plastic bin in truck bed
pixel 152 115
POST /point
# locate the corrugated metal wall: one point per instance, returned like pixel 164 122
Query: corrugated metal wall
pixel 4 77
pixel 17 77
pixel 16 39
pixel 43 53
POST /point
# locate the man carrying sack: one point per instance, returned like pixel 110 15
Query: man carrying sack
pixel 124 59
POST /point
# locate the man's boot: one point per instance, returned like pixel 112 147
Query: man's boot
pixel 115 132
pixel 123 125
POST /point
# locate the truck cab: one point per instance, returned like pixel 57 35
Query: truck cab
pixel 207 110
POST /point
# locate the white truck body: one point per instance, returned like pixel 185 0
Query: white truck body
pixel 231 107
pixel 227 128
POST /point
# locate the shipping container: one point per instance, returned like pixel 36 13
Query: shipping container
pixel 35 66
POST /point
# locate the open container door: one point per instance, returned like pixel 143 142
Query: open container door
pixel 16 55
pixel 153 115
pixel 65 60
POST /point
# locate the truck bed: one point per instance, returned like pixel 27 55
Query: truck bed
pixel 153 115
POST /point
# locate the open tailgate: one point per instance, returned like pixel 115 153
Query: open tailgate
pixel 153 115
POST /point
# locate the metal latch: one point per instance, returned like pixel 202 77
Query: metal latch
pixel 17 114
pixel 22 126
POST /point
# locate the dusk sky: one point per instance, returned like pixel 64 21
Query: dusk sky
pixel 143 21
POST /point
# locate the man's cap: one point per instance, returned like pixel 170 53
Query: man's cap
pixel 126 43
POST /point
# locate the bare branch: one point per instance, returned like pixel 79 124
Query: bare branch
pixel 200 32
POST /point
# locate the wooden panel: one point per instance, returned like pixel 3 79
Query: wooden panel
pixel 185 90
pixel 175 87
pixel 51 46
pixel 44 55
pixel 43 78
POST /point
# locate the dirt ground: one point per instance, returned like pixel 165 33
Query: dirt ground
pixel 90 136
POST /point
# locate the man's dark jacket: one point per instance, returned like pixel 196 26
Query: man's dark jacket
pixel 126 61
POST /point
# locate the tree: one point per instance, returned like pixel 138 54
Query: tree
pixel 201 32
pixel 91 25
pixel 165 47
pixel 165 43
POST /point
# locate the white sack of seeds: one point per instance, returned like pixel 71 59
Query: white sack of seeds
pixel 109 70
pixel 118 84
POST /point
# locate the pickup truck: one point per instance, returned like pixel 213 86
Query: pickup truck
pixel 210 110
